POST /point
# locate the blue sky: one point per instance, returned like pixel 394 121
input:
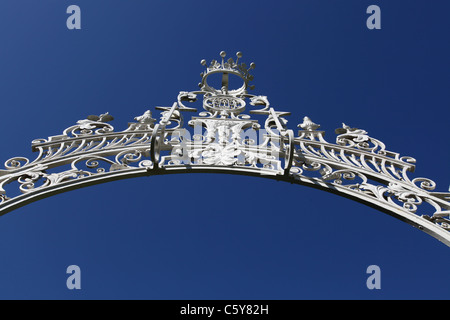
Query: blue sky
pixel 209 236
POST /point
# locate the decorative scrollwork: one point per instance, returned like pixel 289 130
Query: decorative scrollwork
pixel 16 163
pixel 425 183
pixel 358 138
pixel 87 128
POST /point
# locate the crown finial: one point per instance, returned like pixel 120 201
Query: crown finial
pixel 227 68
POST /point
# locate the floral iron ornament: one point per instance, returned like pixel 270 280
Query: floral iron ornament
pixel 223 139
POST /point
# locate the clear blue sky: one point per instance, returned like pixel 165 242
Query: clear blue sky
pixel 209 236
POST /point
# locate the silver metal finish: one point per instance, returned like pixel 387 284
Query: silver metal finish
pixel 223 139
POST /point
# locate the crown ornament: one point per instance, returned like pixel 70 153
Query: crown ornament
pixel 227 68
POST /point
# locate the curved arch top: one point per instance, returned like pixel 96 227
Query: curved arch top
pixel 223 139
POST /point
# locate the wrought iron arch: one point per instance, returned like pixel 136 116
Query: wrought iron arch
pixel 223 139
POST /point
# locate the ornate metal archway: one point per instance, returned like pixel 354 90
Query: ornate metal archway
pixel 223 139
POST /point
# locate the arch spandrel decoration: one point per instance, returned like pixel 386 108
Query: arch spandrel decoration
pixel 224 139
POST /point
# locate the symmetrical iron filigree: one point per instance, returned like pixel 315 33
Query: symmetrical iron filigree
pixel 224 139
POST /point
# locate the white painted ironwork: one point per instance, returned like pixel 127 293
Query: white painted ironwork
pixel 223 139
